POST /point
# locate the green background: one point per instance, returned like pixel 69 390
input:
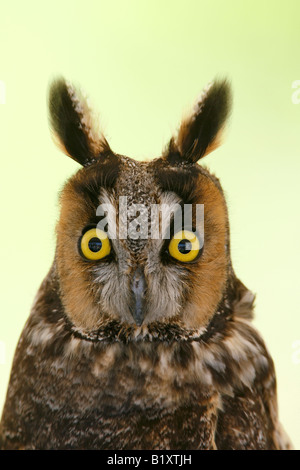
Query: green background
pixel 143 63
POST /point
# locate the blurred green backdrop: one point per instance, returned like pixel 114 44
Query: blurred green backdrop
pixel 143 63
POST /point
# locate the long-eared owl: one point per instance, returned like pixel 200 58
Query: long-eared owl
pixel 140 335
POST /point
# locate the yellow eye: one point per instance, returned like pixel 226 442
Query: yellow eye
pixel 95 244
pixel 184 246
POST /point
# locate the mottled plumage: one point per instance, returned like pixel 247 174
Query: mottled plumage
pixel 140 350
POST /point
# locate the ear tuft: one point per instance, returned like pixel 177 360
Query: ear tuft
pixel 201 132
pixel 73 125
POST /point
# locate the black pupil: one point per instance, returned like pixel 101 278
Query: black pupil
pixel 184 246
pixel 95 244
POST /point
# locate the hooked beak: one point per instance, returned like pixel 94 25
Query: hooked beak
pixel 138 288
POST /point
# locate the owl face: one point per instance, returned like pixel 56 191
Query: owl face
pixel 122 253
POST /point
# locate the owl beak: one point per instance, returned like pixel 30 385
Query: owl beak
pixel 138 288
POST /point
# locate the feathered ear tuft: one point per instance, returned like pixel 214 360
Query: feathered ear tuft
pixel 201 132
pixel 73 125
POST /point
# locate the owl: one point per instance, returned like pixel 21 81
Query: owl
pixel 140 336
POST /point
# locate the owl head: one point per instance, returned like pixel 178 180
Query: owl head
pixel 140 243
